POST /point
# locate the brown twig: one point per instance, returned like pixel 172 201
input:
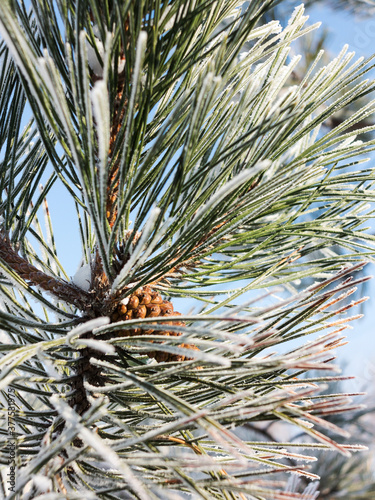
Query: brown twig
pixel 117 121
pixel 33 276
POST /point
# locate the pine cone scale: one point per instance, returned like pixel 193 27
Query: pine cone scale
pixel 148 303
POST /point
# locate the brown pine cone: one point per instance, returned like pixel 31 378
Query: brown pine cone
pixel 148 303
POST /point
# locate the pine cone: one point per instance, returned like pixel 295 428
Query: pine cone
pixel 147 303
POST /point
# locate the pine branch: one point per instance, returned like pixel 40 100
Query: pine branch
pixel 58 288
pixel 179 116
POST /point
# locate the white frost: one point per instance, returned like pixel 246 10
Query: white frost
pixel 92 57
pixel 82 277
pixel 42 483
pixel 90 325
pixel 98 345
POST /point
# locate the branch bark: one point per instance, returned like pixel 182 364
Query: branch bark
pixel 59 288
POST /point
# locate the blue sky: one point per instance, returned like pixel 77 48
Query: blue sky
pixel 344 28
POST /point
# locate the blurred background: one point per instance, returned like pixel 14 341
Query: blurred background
pixel 349 22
